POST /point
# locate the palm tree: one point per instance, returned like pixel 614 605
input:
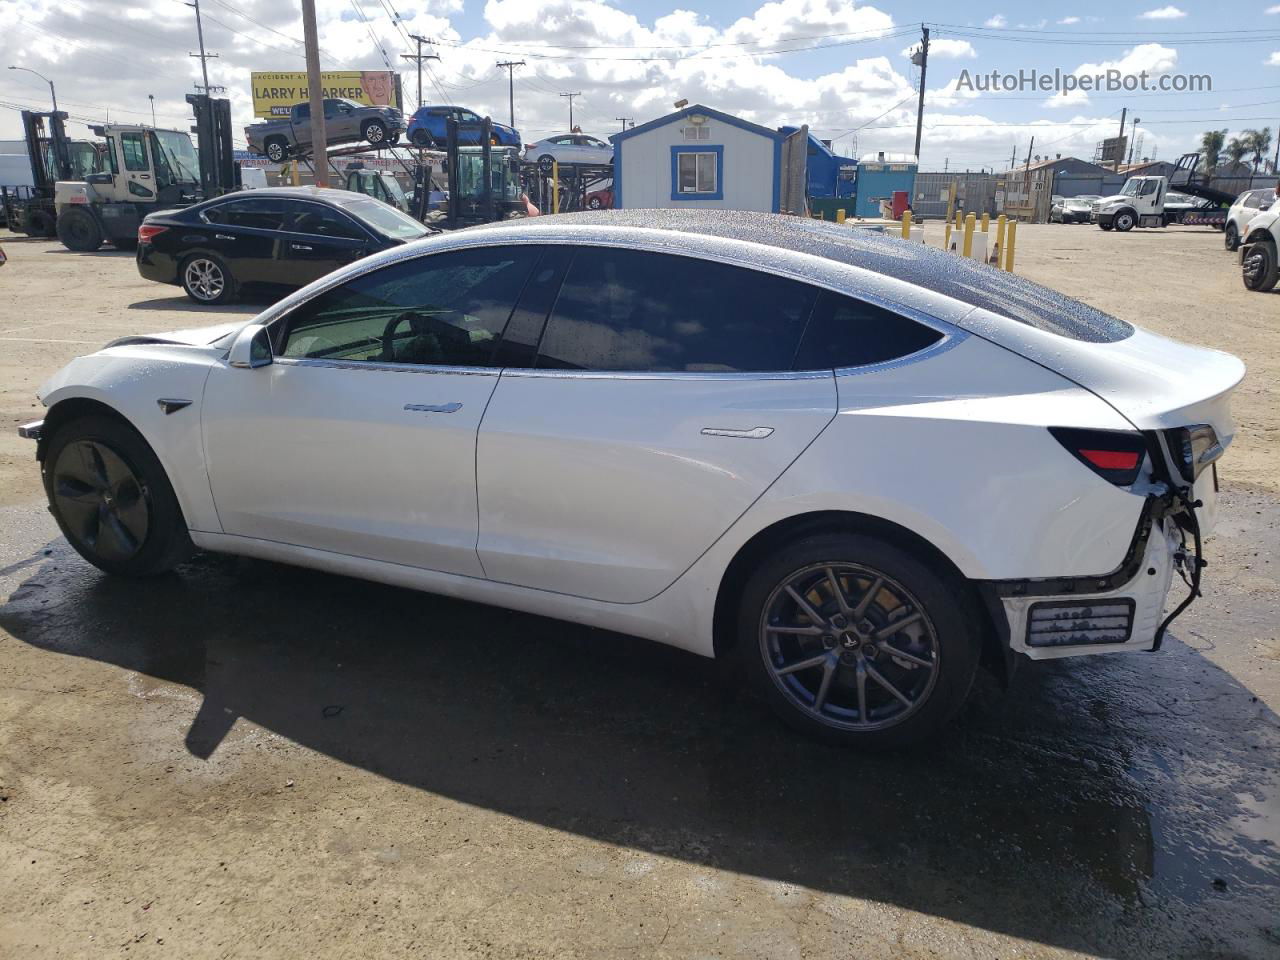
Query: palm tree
pixel 1211 142
pixel 1235 150
pixel 1259 143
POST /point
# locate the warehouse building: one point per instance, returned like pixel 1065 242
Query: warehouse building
pixel 701 158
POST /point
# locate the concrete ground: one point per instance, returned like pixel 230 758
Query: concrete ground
pixel 249 760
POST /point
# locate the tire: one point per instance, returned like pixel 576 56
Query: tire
pixel 79 231
pixel 1104 226
pixel 277 149
pixel 594 203
pixel 421 138
pixel 1260 270
pixel 1124 221
pixel 207 279
pixel 41 223
pixel 1231 238
pixel 125 243
pixel 943 641
pixel 374 132
pixel 546 163
pixel 112 499
pixel 393 139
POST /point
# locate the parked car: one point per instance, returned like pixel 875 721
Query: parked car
pixel 1073 209
pixel 601 198
pixel 850 466
pixel 288 236
pixel 1247 206
pixel 1260 266
pixel 345 121
pixel 428 128
pixel 570 148
pixel 3 258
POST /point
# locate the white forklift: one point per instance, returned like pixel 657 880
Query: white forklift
pixel 1142 202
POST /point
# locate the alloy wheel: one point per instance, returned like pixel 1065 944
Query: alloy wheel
pixel 850 646
pixel 205 279
pixel 100 500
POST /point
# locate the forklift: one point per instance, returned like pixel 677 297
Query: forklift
pixel 484 178
pixel 52 156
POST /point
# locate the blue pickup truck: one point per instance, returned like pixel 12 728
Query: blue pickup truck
pixel 427 128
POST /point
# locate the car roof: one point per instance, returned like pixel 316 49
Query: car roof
pixel 295 193
pixel 929 268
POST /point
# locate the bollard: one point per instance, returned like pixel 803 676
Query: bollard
pixel 1008 253
pixel 293 174
pixel 840 215
pixel 966 248
pixel 946 236
pixel 986 221
pixel 906 224
pixel 999 251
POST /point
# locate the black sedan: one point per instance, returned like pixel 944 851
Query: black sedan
pixel 287 236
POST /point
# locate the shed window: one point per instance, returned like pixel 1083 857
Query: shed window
pixel 697 172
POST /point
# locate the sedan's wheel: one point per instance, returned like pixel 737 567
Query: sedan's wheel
pixel 594 203
pixel 112 500
pixel 546 164
pixel 207 280
pixel 1259 269
pixel 1231 237
pixel 852 639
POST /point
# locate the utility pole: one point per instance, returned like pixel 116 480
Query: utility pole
pixel 1013 158
pixel 571 96
pixel 418 58
pixel 632 121
pixel 1124 112
pixel 921 60
pixel 319 144
pixel 204 57
pixel 511 85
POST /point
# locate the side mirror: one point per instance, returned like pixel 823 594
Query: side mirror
pixel 252 348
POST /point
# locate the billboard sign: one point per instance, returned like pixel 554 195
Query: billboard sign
pixel 275 93
pixel 1112 149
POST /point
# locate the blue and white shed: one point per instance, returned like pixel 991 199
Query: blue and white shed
pixel 698 157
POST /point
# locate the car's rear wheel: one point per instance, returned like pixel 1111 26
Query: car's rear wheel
pixel 853 639
pixel 421 138
pixel 112 499
pixel 79 231
pixel 277 149
pixel 207 279
pixel 1259 269
pixel 594 203
pixel 374 132
pixel 1231 237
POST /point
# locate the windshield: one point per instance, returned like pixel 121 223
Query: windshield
pixel 178 154
pixel 386 219
pixel 1130 188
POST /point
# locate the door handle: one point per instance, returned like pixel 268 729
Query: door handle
pixel 433 407
pixel 299 246
pixel 223 236
pixel 755 433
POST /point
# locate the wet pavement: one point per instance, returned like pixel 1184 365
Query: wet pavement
pixel 1122 806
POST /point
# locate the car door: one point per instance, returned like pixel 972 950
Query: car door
pixel 139 180
pixel 247 236
pixel 359 437
pixel 318 239
pixel 661 406
pixel 340 121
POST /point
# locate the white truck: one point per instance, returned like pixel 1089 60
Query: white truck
pixel 1142 202
pixel 1259 264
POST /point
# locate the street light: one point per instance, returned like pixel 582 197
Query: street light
pixel 152 98
pixel 52 95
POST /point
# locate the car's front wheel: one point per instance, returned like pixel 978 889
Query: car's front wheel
pixel 855 640
pixel 207 279
pixel 374 132
pixel 112 499
pixel 546 163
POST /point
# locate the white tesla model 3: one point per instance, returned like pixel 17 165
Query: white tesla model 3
pixel 853 466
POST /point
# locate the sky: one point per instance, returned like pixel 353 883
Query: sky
pixel 842 67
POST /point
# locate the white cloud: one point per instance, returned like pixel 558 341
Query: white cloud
pixel 1274 59
pixel 1163 13
pixel 1067 21
pixel 1275 9
pixel 945 47
pixel 996 21
pixel 1153 58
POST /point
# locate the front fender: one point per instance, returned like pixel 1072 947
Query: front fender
pixel 130 381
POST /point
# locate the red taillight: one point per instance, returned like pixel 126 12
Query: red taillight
pixel 146 231
pixel 1114 455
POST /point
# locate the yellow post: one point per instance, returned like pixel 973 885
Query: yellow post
pixel 986 221
pixel 906 224
pixel 959 220
pixel 999 248
pixel 951 205
pixel 293 174
pixel 1008 254
pixel 839 214
pixel 555 186
pixel 970 222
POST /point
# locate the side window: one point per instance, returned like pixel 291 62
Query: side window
pixel 302 112
pixel 263 213
pixel 633 310
pixel 112 163
pixel 1254 200
pixel 134 147
pixel 845 332
pixel 322 221
pixel 449 309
